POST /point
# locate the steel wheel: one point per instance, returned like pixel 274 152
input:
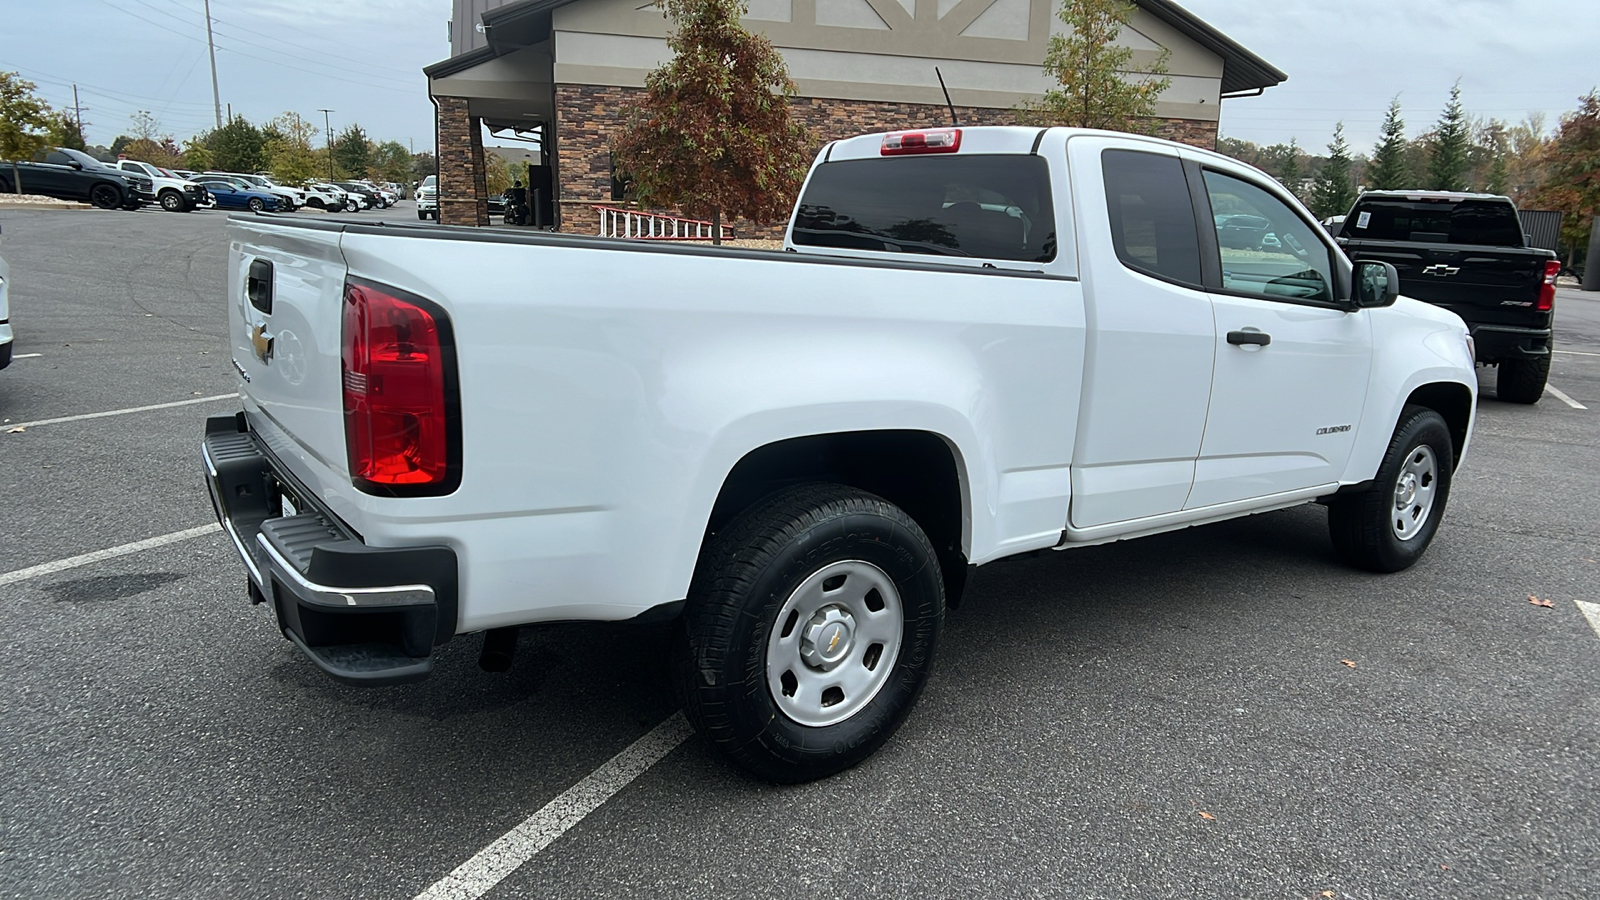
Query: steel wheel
pixel 105 196
pixel 834 643
pixel 1414 491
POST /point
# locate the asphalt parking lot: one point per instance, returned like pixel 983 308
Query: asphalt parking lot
pixel 1220 712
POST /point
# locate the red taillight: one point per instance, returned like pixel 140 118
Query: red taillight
pixel 945 140
pixel 1547 290
pixel 399 399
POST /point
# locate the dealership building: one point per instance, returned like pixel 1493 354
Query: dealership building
pixel 563 74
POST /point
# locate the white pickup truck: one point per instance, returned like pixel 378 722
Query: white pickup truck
pixel 980 342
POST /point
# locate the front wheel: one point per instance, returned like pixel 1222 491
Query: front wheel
pixel 1522 380
pixel 809 631
pixel 256 204
pixel 316 203
pixel 172 201
pixel 105 196
pixel 1387 527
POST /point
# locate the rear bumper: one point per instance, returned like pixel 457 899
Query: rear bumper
pixel 1497 343
pixel 364 615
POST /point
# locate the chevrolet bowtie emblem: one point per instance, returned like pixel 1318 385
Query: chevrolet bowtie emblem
pixel 261 341
pixel 835 642
pixel 1441 270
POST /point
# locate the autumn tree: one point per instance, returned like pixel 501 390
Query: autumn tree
pixel 1572 179
pixel 64 131
pixel 391 161
pixel 713 134
pixel 1332 193
pixel 24 122
pixel 1388 170
pixel 1099 84
pixel 1449 149
pixel 290 157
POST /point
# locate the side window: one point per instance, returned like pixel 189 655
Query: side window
pixel 1152 218
pixel 1266 249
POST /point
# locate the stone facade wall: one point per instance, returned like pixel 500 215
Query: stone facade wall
pixel 463 196
pixel 588 115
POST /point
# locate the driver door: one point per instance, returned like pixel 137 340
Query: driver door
pixel 1292 364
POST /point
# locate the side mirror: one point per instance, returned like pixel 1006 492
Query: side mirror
pixel 1375 284
pixel 75 165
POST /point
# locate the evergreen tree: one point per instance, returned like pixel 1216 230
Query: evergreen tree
pixel 1288 159
pixel 713 135
pixel 1093 72
pixel 1448 155
pixel 352 152
pixel 237 146
pixel 1332 194
pixel 1388 170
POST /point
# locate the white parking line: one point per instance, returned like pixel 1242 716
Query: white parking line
pixel 27 356
pixel 1591 611
pixel 478 875
pixel 1563 397
pixel 1575 352
pixel 72 562
pixel 119 412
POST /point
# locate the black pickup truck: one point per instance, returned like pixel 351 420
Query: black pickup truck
pixel 1468 254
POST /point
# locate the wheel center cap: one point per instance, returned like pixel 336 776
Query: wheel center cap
pixel 1405 491
pixel 828 638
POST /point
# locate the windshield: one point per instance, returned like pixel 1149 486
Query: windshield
pixel 1484 222
pixel 995 206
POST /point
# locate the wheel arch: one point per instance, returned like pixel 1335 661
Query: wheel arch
pixel 919 471
pixel 1453 401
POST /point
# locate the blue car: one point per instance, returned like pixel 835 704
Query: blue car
pixel 230 195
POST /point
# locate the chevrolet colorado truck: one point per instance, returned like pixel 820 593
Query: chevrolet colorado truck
pixel 1467 253
pixel 979 343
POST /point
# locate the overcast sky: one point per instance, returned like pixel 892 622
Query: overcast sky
pixel 363 58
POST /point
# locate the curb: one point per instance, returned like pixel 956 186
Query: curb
pixel 65 204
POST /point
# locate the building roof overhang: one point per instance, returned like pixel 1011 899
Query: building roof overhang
pixel 522 24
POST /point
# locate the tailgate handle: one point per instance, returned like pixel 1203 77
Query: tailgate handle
pixel 258 286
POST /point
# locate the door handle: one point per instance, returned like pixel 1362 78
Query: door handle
pixel 1240 338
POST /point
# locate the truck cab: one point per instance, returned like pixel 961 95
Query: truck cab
pixel 175 194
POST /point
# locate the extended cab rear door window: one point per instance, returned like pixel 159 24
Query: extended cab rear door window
pixel 1266 249
pixel 988 206
pixel 1152 216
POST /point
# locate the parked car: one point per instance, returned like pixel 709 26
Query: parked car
pixel 291 198
pixel 7 337
pixel 142 185
pixel 173 193
pixel 320 197
pixel 428 198
pixel 373 198
pixel 796 458
pixel 349 202
pixel 102 187
pixel 1467 253
pixel 232 193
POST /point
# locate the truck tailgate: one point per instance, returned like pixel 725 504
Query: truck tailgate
pixel 285 290
pixel 1485 285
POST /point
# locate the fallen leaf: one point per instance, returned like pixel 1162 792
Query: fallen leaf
pixel 18 430
pixel 1327 894
pixel 1444 867
pixel 1207 816
pixel 1349 662
pixel 1537 602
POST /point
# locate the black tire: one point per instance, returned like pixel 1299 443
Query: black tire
pixel 1522 380
pixel 316 203
pixel 105 196
pixel 1372 530
pixel 755 568
pixel 422 214
pixel 256 204
pixel 173 201
pixel 352 206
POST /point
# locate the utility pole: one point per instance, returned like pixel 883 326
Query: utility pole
pixel 327 127
pixel 77 111
pixel 211 43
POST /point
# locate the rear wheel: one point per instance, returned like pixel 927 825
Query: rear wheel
pixel 105 196
pixel 1387 528
pixel 1522 380
pixel 809 631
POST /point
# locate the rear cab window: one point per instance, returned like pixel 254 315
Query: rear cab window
pixel 1485 222
pixel 985 206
